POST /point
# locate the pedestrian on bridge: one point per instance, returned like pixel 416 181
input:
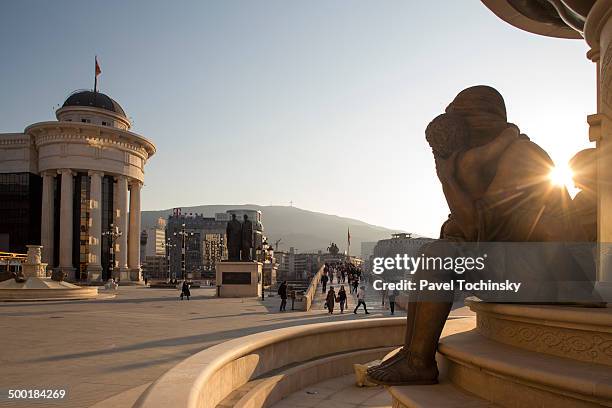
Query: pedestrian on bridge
pixel 282 292
pixel 391 298
pixel 355 284
pixel 342 298
pixel 361 300
pixel 331 300
pixel 324 280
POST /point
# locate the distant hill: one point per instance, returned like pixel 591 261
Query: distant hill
pixel 304 230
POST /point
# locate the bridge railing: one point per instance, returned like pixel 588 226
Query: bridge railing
pixel 311 292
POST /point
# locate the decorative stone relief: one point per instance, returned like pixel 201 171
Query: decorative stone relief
pixel 580 345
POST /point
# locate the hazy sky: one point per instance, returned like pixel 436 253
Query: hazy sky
pixel 323 103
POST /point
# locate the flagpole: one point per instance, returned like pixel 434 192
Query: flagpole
pixel 95 74
pixel 348 247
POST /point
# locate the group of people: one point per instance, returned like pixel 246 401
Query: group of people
pixel 343 272
pixel 332 298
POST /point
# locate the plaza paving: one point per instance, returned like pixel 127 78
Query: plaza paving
pixel 98 348
pixel 337 393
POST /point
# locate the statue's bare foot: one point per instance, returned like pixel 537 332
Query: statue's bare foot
pixel 409 370
pixel 401 354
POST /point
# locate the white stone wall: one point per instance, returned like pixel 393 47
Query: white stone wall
pixel 17 154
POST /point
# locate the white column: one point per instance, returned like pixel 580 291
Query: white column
pixel 94 267
pixel 46 218
pixel 121 221
pixel 67 193
pixel 134 231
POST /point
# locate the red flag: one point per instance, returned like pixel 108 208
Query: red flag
pixel 98 71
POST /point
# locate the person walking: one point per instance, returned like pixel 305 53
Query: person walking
pixel 324 280
pixel 342 299
pixel 355 284
pixel 185 290
pixel 391 298
pixel 330 301
pixel 361 300
pixel 282 292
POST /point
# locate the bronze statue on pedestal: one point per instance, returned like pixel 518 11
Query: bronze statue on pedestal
pixel 247 240
pixel 233 231
pixel 496 183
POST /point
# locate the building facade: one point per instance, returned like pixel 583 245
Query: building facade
pixel 73 186
pixel 195 244
pixel 398 244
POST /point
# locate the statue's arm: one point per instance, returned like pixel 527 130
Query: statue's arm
pixel 492 150
pixel 459 201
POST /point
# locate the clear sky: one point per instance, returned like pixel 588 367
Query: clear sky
pixel 323 103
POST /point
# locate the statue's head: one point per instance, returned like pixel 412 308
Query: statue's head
pixel 446 134
pixel 584 169
pixel 233 217
pixel 246 217
pixel 483 110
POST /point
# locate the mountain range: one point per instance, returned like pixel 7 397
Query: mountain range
pixel 306 231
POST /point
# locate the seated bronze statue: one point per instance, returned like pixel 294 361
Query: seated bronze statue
pixel 497 186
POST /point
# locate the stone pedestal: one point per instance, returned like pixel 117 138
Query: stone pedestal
pixel 239 279
pixel 135 275
pixel 124 275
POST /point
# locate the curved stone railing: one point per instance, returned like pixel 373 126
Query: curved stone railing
pixel 210 376
pixel 312 289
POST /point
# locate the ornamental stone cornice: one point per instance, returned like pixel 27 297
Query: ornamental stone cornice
pixel 54 132
pixel 15 140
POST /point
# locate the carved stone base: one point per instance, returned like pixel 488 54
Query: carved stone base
pixel 239 279
pixel 583 334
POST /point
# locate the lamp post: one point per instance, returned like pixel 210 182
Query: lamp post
pixel 184 236
pixel 169 245
pixel 112 233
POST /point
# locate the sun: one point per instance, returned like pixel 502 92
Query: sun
pixel 561 176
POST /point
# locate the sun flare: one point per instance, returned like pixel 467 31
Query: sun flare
pixel 561 176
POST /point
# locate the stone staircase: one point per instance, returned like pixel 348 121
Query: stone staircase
pixel 522 356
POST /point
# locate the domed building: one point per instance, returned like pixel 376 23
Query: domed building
pixel 73 186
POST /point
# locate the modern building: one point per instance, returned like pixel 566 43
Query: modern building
pixel 398 244
pixel 203 241
pixel 156 239
pixel 294 266
pixel 153 251
pixel 66 185
pixel 367 249
pixel 281 259
pixel 155 267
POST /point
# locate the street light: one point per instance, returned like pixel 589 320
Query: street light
pixel 168 246
pixel 112 233
pixel 184 236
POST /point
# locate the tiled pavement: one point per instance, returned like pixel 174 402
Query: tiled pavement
pixel 337 393
pixel 98 348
